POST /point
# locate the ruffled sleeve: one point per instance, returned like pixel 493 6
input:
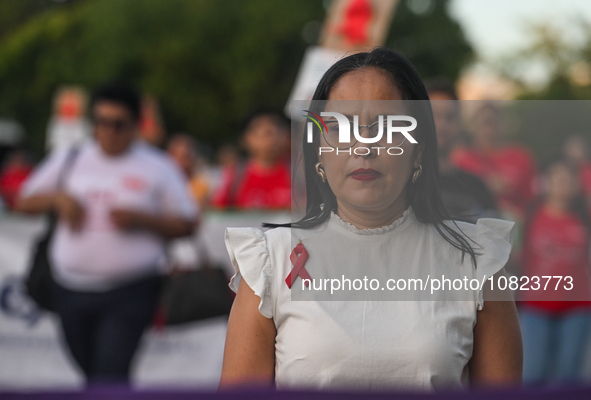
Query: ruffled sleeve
pixel 249 254
pixel 496 238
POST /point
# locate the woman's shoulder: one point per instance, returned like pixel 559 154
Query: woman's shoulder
pixel 255 246
pixel 249 238
pixel 490 238
pixel 492 228
pixel 259 257
pixel 278 236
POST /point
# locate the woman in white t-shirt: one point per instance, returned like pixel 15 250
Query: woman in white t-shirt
pixel 371 212
pixel 118 200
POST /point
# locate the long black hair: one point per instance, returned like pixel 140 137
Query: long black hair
pixel 424 195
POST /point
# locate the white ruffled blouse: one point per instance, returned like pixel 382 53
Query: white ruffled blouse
pixel 368 345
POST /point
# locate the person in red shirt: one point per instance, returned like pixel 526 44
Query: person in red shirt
pixel 508 169
pixel 465 195
pixel 556 322
pixel 576 153
pixel 13 175
pixel 264 180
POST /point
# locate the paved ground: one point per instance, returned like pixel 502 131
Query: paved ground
pixel 31 351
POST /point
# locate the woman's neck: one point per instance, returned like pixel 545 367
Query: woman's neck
pixel 369 219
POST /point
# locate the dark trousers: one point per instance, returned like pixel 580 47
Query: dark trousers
pixel 103 329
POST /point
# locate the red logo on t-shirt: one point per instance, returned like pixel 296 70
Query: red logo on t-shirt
pixel 134 183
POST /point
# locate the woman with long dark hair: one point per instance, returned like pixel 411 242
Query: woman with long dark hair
pixel 366 211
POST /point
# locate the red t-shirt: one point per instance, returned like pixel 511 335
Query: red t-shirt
pixel 585 181
pixel 509 172
pixel 585 177
pixel 11 180
pixel 557 245
pixel 255 188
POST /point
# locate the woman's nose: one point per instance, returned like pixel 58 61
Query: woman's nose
pixel 364 150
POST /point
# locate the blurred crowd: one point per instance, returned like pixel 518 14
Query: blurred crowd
pixel 253 173
pixel 483 174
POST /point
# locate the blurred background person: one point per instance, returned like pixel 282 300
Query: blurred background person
pixel 118 203
pixel 576 153
pixel 465 195
pixel 227 157
pixel 263 181
pixel 183 149
pixel 151 125
pixel 68 126
pixel 508 169
pixel 184 253
pixel 13 174
pixel 555 324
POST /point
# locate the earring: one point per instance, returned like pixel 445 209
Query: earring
pixel 320 172
pixel 417 173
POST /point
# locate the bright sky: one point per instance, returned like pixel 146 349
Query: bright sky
pixel 497 27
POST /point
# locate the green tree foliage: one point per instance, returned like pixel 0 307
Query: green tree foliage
pixel 566 61
pixel 208 62
pixel 424 32
pixel 15 12
pixel 545 125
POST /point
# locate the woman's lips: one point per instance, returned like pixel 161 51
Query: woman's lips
pixel 363 174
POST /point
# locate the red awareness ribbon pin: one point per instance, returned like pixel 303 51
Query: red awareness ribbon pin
pixel 298 258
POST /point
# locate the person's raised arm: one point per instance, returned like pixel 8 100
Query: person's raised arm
pixel 497 358
pixel 249 354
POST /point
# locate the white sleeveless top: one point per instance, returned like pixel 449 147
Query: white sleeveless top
pixel 369 345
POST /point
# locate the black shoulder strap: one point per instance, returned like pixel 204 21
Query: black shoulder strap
pixel 67 166
pixel 65 170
